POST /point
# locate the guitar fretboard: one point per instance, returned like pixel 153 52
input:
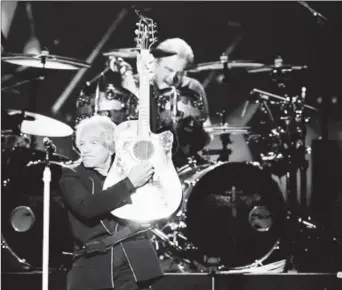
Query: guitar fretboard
pixel 144 98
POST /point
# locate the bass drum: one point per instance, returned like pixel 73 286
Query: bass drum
pixel 233 213
pixel 22 212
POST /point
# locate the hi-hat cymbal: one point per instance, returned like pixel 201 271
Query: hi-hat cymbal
pixel 225 129
pixel 40 125
pixel 133 52
pixel 219 65
pixel 51 61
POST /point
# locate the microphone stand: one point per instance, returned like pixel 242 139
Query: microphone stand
pixel 46 219
pixel 324 51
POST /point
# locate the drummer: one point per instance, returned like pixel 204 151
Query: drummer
pixel 169 75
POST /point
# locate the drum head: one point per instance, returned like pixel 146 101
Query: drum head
pixel 22 215
pixel 235 212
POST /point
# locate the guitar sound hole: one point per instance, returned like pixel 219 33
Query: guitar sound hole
pixel 143 150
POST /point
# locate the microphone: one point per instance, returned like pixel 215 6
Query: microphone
pixel 48 144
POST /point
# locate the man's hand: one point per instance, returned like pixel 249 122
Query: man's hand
pixel 141 174
pixel 117 64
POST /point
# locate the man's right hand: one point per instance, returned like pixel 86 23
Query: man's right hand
pixel 117 64
pixel 140 174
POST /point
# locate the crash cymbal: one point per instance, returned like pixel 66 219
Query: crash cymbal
pixel 133 52
pixel 40 125
pixel 225 129
pixel 284 68
pixel 219 65
pixel 51 61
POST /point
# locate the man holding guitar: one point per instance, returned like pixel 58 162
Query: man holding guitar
pixel 109 253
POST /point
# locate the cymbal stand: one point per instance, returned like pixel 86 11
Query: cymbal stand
pixel 225 140
pixel 296 156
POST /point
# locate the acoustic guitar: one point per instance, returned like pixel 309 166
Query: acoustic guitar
pixel 134 142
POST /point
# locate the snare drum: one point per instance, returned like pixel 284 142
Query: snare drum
pixel 22 212
pixel 233 213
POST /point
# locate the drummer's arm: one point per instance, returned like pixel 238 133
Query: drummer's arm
pixel 128 80
pixel 197 87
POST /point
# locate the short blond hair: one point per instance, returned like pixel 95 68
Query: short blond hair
pixel 181 47
pixel 105 129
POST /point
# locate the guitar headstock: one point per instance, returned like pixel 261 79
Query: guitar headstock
pixel 145 33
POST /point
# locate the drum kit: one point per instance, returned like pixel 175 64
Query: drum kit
pixel 233 216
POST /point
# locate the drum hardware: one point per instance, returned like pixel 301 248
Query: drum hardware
pixel 219 130
pixel 286 140
pixel 11 87
pixel 224 131
pixel 263 95
pixel 133 52
pixel 192 162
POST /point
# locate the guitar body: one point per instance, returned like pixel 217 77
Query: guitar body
pixel 162 196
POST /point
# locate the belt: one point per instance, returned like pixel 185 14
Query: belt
pixel 104 244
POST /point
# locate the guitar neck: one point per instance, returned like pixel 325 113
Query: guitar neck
pixel 144 98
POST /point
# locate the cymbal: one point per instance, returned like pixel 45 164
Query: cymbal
pixel 283 68
pixel 51 61
pixel 133 52
pixel 40 125
pixel 219 65
pixel 225 129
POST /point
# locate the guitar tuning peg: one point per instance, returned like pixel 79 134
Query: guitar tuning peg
pixel 136 32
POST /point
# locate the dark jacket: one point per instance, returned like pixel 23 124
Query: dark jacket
pixel 90 220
